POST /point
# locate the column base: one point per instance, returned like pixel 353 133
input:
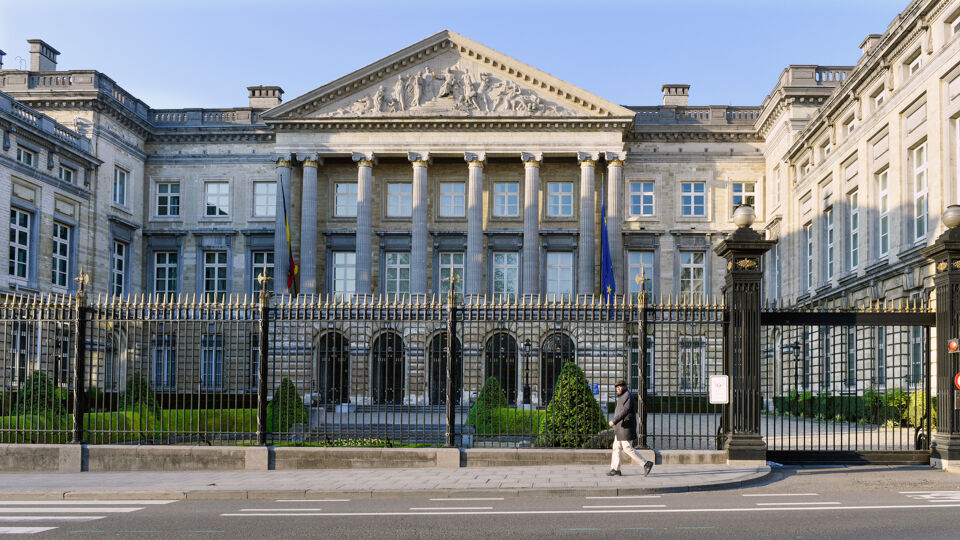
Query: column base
pixel 746 449
pixel 945 452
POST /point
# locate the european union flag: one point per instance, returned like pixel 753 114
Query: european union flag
pixel 608 283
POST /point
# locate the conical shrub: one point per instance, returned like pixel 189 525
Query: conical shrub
pixel 573 414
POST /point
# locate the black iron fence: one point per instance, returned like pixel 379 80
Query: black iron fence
pixel 525 372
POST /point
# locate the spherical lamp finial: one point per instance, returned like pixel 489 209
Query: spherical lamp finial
pixel 951 216
pixel 744 216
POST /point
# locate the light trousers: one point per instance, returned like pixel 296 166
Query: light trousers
pixel 626 448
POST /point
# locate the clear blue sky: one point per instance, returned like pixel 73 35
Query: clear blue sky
pixel 205 53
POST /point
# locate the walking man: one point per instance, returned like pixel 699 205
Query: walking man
pixel 624 426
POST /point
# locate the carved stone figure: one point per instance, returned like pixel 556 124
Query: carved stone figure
pixel 399 94
pixel 484 89
pixel 449 85
pixel 469 93
pixel 415 84
pixel 378 99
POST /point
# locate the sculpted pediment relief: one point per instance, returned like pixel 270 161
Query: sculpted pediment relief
pixel 445 88
pixel 446 76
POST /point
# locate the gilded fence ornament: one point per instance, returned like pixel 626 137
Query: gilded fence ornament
pixel 747 264
pixel 941 267
pixel 956 265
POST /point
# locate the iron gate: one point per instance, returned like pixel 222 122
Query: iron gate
pixel 847 386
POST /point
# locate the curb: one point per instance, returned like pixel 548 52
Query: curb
pixel 305 494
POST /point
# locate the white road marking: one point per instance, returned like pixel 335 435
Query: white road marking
pixel 454 508
pixel 49 518
pixel 781 494
pixel 281 509
pixel 795 503
pixel 472 499
pixel 81 502
pixel 24 530
pixel 631 506
pixel 311 500
pixel 75 509
pixel 926 507
pixel 920 492
pixel 627 497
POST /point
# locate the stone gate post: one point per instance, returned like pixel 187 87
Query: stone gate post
pixel 742 291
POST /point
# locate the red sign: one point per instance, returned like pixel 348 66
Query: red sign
pixel 956 381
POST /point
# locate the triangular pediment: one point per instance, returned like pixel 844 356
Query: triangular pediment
pixel 446 76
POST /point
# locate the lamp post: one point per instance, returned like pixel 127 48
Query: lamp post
pixel 794 349
pixel 526 371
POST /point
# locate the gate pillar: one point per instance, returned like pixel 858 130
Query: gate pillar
pixel 742 291
pixel 945 254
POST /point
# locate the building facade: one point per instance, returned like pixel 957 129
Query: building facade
pixel 448 158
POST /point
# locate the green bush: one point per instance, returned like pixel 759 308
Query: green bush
pixel 37 394
pixel 286 408
pixel 485 412
pixel 138 395
pixel 573 414
pixel 894 407
pixel 916 409
pixel 507 421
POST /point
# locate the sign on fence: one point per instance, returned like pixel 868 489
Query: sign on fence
pixel 719 389
pixel 596 388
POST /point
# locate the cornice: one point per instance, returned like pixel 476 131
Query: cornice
pixel 119 141
pixel 232 136
pixel 682 135
pixel 459 124
pixel 210 159
pixel 22 170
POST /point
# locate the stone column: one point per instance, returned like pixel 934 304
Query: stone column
pixel 945 253
pixel 586 266
pixel 531 222
pixel 474 260
pixel 614 195
pixel 281 255
pixel 364 221
pixel 419 237
pixel 308 225
pixel 744 250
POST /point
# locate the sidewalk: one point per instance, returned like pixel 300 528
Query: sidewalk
pixel 365 483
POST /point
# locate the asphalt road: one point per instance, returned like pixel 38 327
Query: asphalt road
pixel 909 502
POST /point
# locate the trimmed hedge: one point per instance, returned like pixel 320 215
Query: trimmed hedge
pixel 573 415
pixel 485 414
pixel 286 408
pixel 507 421
pixel 897 407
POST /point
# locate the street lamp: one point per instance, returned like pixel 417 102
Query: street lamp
pixel 526 371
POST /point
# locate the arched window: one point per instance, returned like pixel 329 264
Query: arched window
pixel 438 369
pixel 557 350
pixel 388 368
pixel 500 361
pixel 332 359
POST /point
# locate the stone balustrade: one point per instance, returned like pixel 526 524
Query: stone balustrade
pixel 665 115
pixel 43 123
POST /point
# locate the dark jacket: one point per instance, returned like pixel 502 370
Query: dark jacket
pixel 625 417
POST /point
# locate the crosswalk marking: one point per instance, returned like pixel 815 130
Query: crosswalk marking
pixel 22 514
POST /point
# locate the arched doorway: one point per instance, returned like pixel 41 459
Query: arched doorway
pixel 500 361
pixel 388 368
pixel 332 359
pixel 557 350
pixel 438 369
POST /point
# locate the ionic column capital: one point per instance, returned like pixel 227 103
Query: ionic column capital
pixel 614 158
pixel 283 160
pixel 588 158
pixel 531 159
pixel 309 159
pixel 364 159
pixel 419 159
pixel 475 159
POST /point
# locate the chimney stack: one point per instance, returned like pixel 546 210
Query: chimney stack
pixel 264 97
pixel 2 54
pixel 676 95
pixel 869 43
pixel 43 57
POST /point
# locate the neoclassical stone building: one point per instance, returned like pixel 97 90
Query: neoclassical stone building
pixel 448 157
